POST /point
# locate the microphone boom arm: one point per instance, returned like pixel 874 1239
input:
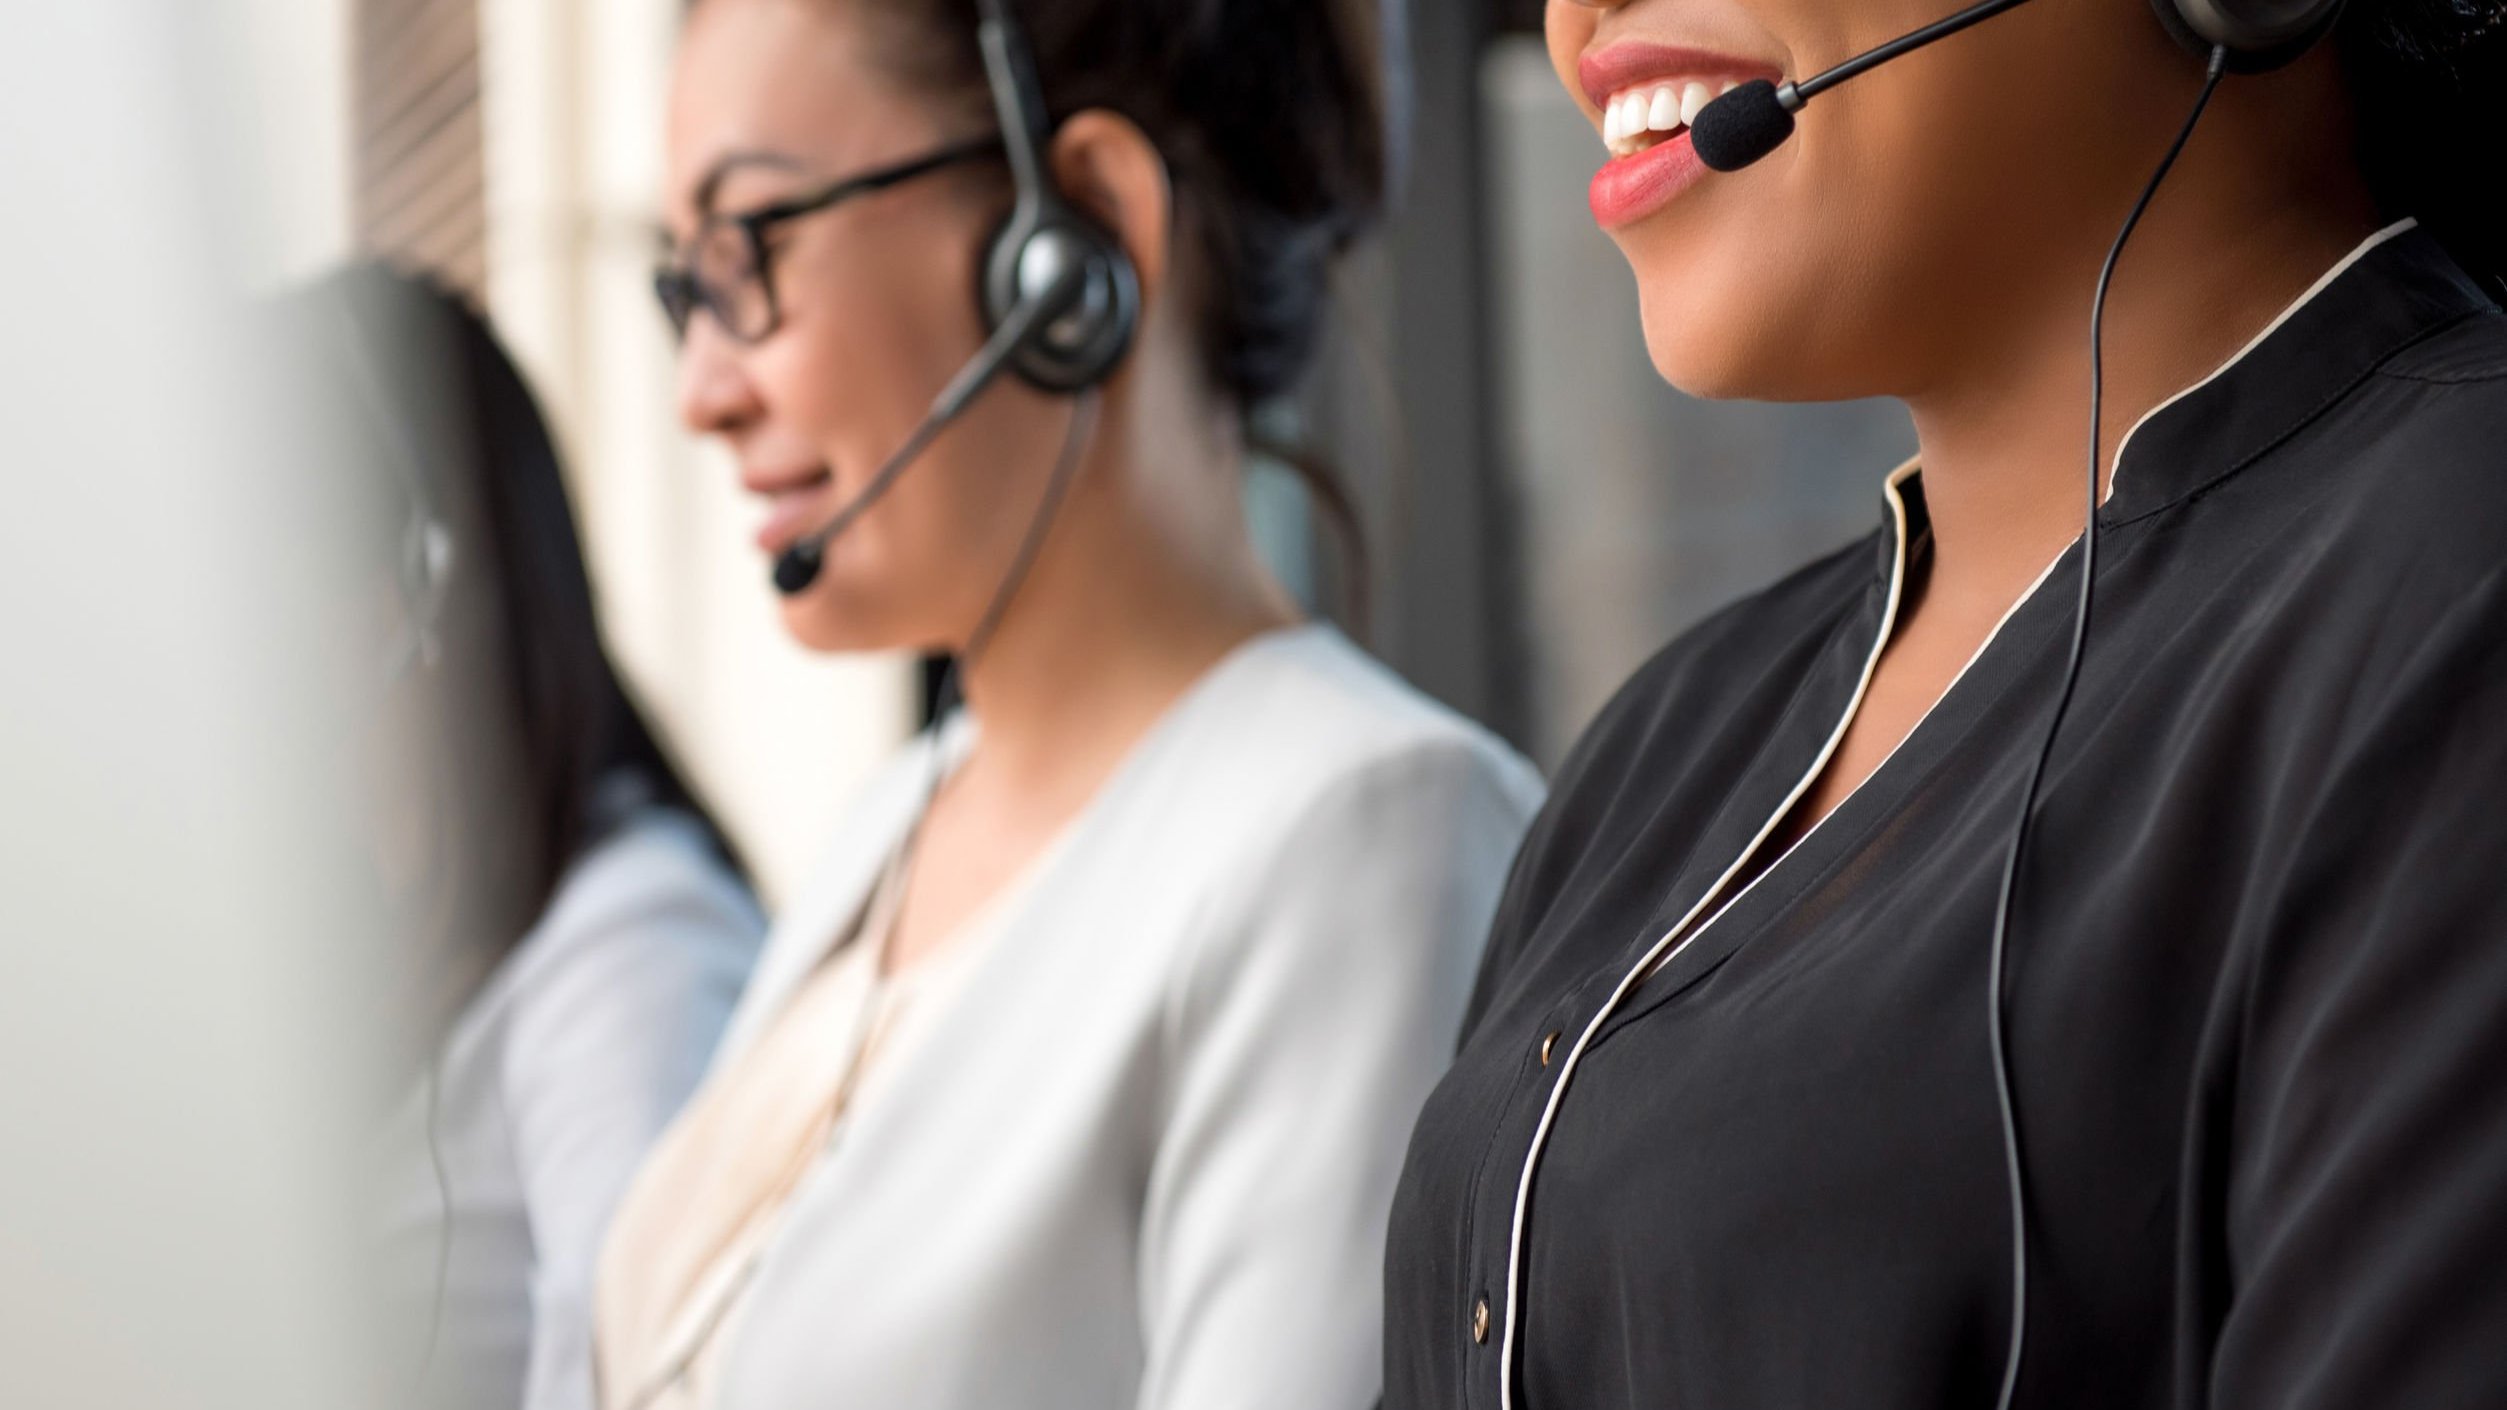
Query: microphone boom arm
pixel 1756 118
pixel 1794 95
pixel 798 566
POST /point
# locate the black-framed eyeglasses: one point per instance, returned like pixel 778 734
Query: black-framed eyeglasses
pixel 724 268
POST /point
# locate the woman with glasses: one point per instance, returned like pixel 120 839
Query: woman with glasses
pixel 572 931
pixel 1079 1075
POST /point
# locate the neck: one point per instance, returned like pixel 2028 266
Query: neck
pixel 2004 437
pixel 1134 595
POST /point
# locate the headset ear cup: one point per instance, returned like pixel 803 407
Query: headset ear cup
pixel 2172 19
pixel 1082 348
pixel 2261 35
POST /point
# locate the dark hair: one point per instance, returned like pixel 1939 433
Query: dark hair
pixel 2429 78
pixel 1277 121
pixel 554 752
pixel 1271 116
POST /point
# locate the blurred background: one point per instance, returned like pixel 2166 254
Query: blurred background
pixel 1543 512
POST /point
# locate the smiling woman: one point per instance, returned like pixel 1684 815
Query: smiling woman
pixel 1792 1077
pixel 1078 1075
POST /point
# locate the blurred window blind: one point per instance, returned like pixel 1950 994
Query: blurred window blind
pixel 419 182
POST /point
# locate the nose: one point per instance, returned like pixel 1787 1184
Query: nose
pixel 716 396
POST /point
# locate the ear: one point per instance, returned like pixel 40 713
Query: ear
pixel 1109 170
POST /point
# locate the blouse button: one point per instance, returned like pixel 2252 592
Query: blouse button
pixel 1547 1044
pixel 1480 1322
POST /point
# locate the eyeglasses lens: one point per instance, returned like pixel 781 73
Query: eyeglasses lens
pixel 720 276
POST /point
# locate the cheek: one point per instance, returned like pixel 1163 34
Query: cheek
pixel 1910 210
pixel 876 321
pixel 1761 290
pixel 867 346
pixel 1568 28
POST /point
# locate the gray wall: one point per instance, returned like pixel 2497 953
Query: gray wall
pixel 1635 510
pixel 1402 398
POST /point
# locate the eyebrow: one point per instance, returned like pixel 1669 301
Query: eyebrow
pixel 710 186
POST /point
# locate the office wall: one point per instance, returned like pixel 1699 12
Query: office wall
pixel 291 101
pixel 1636 509
pixel 176 1038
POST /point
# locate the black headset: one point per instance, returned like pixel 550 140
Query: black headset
pixel 1081 345
pixel 2247 36
pixel 1059 295
pixel 422 567
pixel 2259 35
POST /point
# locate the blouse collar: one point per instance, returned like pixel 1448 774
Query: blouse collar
pixel 2394 289
pixel 2397 288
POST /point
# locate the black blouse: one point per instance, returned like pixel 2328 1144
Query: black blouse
pixel 2258 995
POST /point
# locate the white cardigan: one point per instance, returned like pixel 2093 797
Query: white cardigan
pixel 1143 1152
pixel 550 1087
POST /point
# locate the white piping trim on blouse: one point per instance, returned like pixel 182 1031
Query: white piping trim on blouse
pixel 1665 952
pixel 1665 949
pixel 1813 830
pixel 2116 463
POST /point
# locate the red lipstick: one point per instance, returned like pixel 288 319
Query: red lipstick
pixel 1625 65
pixel 1631 188
pixel 1637 184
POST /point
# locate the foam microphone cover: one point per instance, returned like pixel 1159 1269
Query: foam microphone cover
pixel 1741 127
pixel 798 567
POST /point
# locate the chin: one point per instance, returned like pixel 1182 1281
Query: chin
pixel 1706 330
pixel 823 620
pixel 1732 340
pixel 1712 358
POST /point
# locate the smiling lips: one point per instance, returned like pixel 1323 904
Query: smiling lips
pixel 792 505
pixel 1648 95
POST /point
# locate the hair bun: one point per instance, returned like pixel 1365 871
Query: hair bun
pixel 2433 31
pixel 1271 115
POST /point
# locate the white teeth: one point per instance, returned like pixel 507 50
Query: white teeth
pixel 1663 114
pixel 1625 121
pixel 1693 100
pixel 1667 108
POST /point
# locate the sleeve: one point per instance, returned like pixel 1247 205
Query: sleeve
pixel 2367 1173
pixel 604 1046
pixel 1302 1044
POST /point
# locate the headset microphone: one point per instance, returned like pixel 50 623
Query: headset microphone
pixel 2256 35
pixel 1057 290
pixel 1756 118
pixel 1061 286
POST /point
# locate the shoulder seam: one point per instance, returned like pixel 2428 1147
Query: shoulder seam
pixel 2491 368
pixel 2493 373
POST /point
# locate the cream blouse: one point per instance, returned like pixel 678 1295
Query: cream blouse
pixel 1134 1143
pixel 684 1254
